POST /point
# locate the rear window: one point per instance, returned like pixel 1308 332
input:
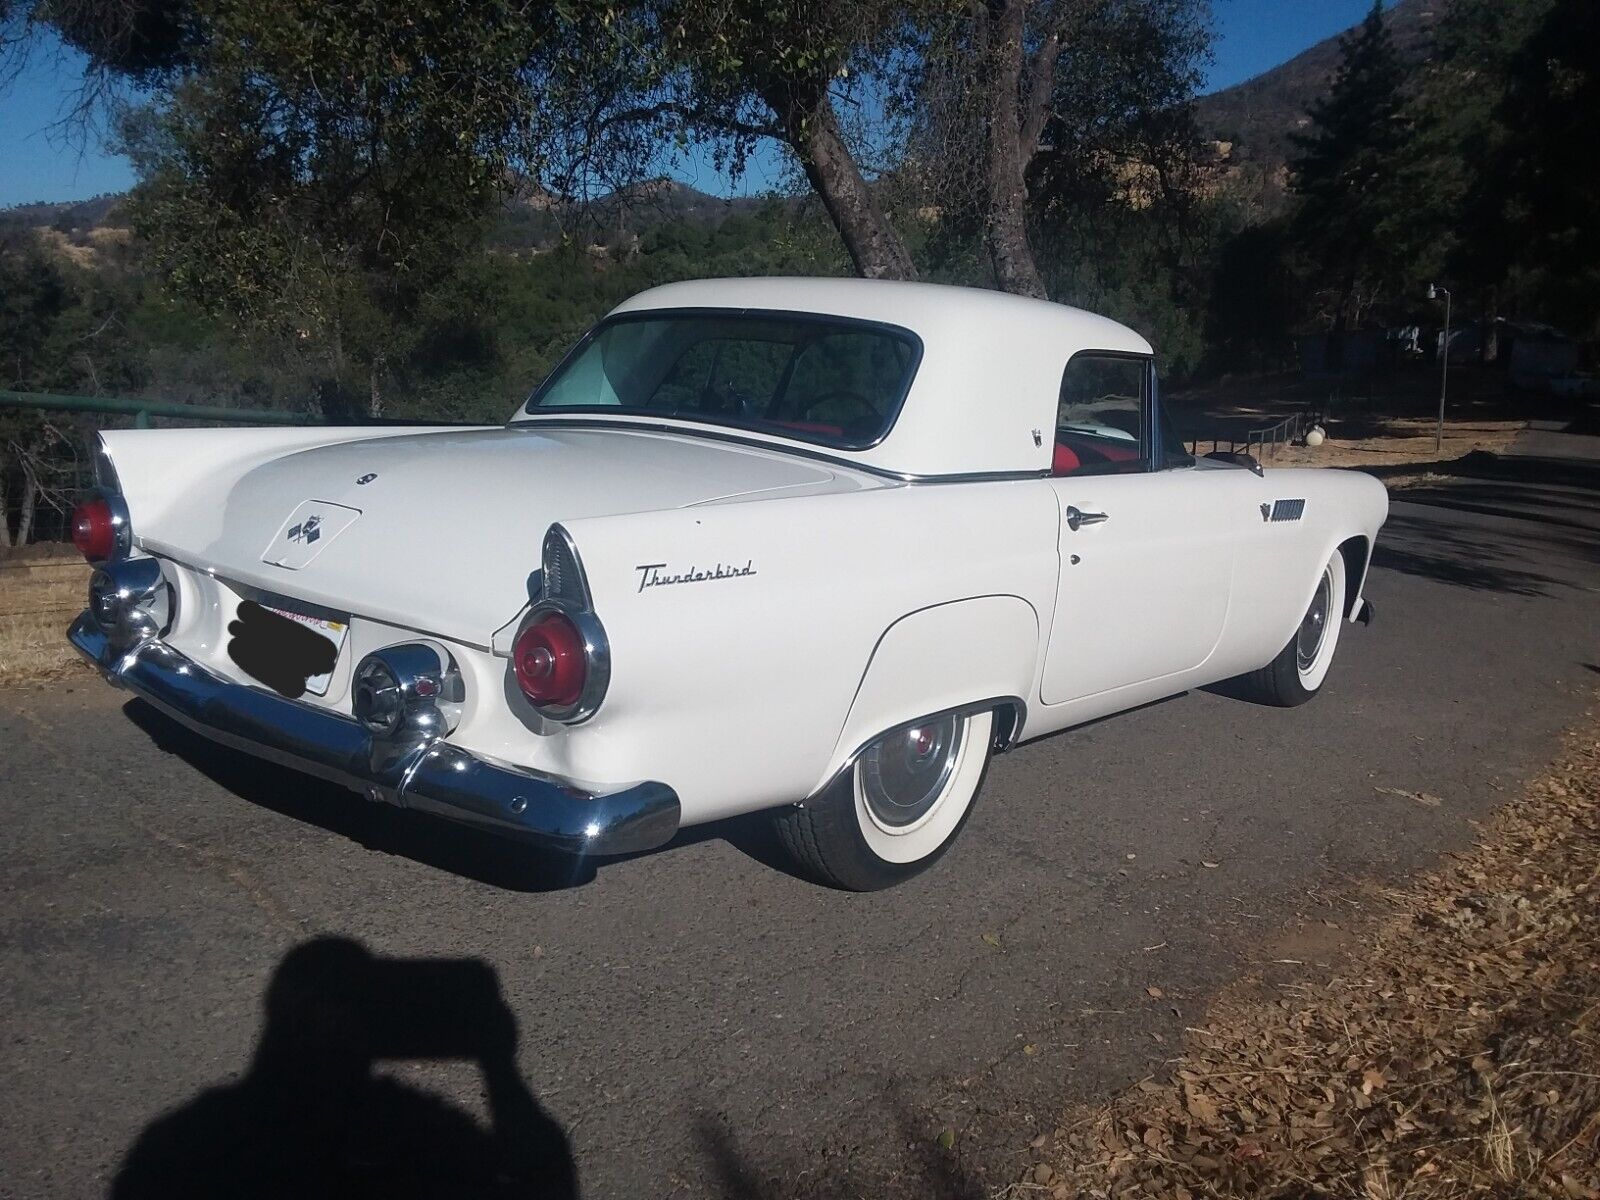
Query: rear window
pixel 819 379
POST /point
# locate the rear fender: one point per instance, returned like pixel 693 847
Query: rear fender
pixel 977 652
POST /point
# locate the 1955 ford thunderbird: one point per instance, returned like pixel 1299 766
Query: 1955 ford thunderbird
pixel 819 547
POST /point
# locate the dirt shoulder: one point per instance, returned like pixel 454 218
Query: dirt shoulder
pixel 1453 1049
pixel 1401 441
pixel 41 590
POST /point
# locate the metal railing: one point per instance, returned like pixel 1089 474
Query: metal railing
pixel 59 468
pixel 142 410
pixel 1264 441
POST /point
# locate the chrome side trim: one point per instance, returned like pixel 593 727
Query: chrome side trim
pixel 435 777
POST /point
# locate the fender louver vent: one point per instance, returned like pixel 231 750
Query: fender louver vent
pixel 1288 510
pixel 563 577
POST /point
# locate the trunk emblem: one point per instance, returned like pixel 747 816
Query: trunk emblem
pixel 367 478
pixel 307 531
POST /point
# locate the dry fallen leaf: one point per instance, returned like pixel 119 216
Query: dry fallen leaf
pixel 1154 993
pixel 1424 798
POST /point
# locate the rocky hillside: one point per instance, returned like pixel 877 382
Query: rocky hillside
pixel 1251 121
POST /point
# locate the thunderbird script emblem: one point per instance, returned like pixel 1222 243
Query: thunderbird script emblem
pixel 657 574
pixel 307 531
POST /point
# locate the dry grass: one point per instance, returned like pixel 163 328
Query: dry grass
pixel 40 593
pixel 1455 1052
pixel 1399 441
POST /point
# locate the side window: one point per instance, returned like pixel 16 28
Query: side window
pixel 1103 416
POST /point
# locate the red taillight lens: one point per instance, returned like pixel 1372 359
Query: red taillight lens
pixel 94 530
pixel 550 662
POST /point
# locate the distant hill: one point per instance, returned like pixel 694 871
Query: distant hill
pixel 1252 121
pixel 67 215
pixel 534 219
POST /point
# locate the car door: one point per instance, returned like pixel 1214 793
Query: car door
pixel 1146 552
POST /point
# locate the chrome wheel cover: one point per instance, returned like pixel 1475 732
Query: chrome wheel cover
pixel 903 774
pixel 1314 625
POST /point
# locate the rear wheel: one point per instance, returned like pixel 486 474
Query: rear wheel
pixel 898 807
pixel 1296 674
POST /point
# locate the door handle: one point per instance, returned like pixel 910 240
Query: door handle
pixel 1077 518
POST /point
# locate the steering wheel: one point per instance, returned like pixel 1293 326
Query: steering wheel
pixel 862 406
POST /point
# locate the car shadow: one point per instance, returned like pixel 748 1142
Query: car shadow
pixel 443 845
pixel 312 1118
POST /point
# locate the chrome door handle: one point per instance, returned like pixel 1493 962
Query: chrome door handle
pixel 1076 518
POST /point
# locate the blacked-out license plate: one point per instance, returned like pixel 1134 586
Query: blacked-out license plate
pixel 292 653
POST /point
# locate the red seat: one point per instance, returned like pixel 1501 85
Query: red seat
pixel 1064 461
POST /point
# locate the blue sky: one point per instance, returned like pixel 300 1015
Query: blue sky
pixel 41 161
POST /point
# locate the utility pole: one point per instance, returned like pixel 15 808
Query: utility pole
pixel 1434 291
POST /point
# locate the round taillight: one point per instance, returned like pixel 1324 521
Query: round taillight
pixel 550 661
pixel 94 530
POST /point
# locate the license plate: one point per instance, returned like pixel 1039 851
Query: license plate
pixel 291 652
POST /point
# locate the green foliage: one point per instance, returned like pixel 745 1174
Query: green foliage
pixel 317 172
pixel 1540 191
pixel 1350 207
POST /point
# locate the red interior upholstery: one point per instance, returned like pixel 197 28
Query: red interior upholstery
pixel 1073 454
pixel 812 427
pixel 1119 453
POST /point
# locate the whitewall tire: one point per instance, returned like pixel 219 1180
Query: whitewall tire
pixel 1300 668
pixel 897 808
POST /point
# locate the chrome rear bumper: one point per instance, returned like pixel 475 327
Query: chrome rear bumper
pixel 437 777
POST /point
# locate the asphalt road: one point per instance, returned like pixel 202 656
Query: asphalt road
pixel 696 1021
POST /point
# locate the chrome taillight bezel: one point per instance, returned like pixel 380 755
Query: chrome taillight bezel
pixel 564 589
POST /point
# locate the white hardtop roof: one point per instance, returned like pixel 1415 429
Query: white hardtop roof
pixel 984 397
pixel 923 308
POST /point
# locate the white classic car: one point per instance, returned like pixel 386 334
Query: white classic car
pixel 814 546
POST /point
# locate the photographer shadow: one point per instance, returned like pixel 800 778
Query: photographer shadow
pixel 312 1119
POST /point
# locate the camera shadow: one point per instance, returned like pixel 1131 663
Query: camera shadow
pixel 312 1117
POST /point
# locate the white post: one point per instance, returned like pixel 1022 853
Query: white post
pixel 1444 370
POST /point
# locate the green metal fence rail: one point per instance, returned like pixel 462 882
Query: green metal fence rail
pixel 142 410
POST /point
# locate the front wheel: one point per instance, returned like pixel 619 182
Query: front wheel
pixel 1296 674
pixel 898 807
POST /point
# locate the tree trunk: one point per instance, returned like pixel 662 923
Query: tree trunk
pixel 5 509
pixel 1006 222
pixel 374 389
pixel 811 128
pixel 30 504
